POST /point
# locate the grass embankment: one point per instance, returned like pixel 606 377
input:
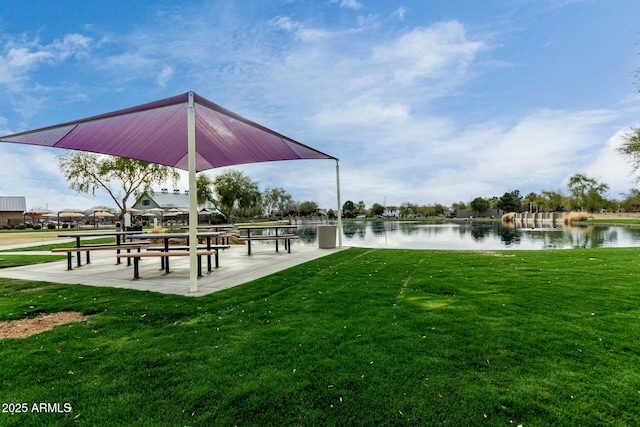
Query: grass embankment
pixel 361 337
pixel 615 221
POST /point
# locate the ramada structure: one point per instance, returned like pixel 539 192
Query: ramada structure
pixel 185 131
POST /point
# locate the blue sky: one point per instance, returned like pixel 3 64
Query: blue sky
pixel 423 101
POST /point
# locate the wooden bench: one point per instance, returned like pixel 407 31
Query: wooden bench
pixel 200 248
pixel 163 255
pixel 286 237
pixel 90 248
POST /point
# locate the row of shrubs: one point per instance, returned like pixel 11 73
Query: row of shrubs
pixel 34 227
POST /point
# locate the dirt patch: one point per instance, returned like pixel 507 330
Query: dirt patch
pixel 26 327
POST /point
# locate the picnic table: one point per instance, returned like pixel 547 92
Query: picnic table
pixel 215 228
pixel 268 236
pixel 212 227
pixel 165 251
pixel 79 248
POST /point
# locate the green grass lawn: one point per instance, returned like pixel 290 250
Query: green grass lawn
pixel 49 246
pixel 17 260
pixel 364 337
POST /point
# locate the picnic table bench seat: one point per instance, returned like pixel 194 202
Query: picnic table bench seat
pixel 111 245
pixel 186 248
pixel 286 237
pixel 162 254
pixel 278 237
pixel 103 247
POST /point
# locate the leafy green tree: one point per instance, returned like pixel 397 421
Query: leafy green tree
pixel 553 201
pixel 408 208
pixel 510 201
pixel 530 202
pixel 612 205
pixel 275 199
pixel 631 201
pixel 205 189
pixel 587 193
pixel 439 209
pixel 88 173
pixel 479 204
pixel 630 148
pixel 235 191
pixel 361 208
pixel 429 210
pixel 349 209
pixel 307 208
pixel 377 209
pixel 290 208
pixel 459 206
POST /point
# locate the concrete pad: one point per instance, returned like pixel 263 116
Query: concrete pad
pixel 236 267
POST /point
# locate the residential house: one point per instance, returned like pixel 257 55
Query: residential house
pixel 167 201
pixel 391 211
pixel 164 200
pixel 12 209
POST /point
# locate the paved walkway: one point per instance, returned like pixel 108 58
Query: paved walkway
pixel 236 267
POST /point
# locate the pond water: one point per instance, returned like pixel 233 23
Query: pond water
pixel 476 235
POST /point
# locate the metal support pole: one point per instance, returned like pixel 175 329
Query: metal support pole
pixel 339 205
pixel 193 198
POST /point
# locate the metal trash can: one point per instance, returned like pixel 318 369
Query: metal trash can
pixel 327 236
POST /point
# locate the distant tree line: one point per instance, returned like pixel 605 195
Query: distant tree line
pixel 583 193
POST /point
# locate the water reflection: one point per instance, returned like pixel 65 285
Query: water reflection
pixel 477 235
pixel 354 229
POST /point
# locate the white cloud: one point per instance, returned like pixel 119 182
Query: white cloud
pixel 538 153
pixel 440 51
pixel 400 12
pixel 551 140
pixel 563 3
pixel 33 172
pixel 362 112
pixel 351 4
pixel 165 75
pixel 345 80
pixel 434 160
pixel 301 31
pixel 131 61
pixel 71 45
pixel 19 58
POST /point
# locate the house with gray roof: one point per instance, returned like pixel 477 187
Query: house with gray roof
pixel 167 201
pixel 12 209
pixel 164 200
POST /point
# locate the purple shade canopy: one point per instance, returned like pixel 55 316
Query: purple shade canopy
pixel 157 132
